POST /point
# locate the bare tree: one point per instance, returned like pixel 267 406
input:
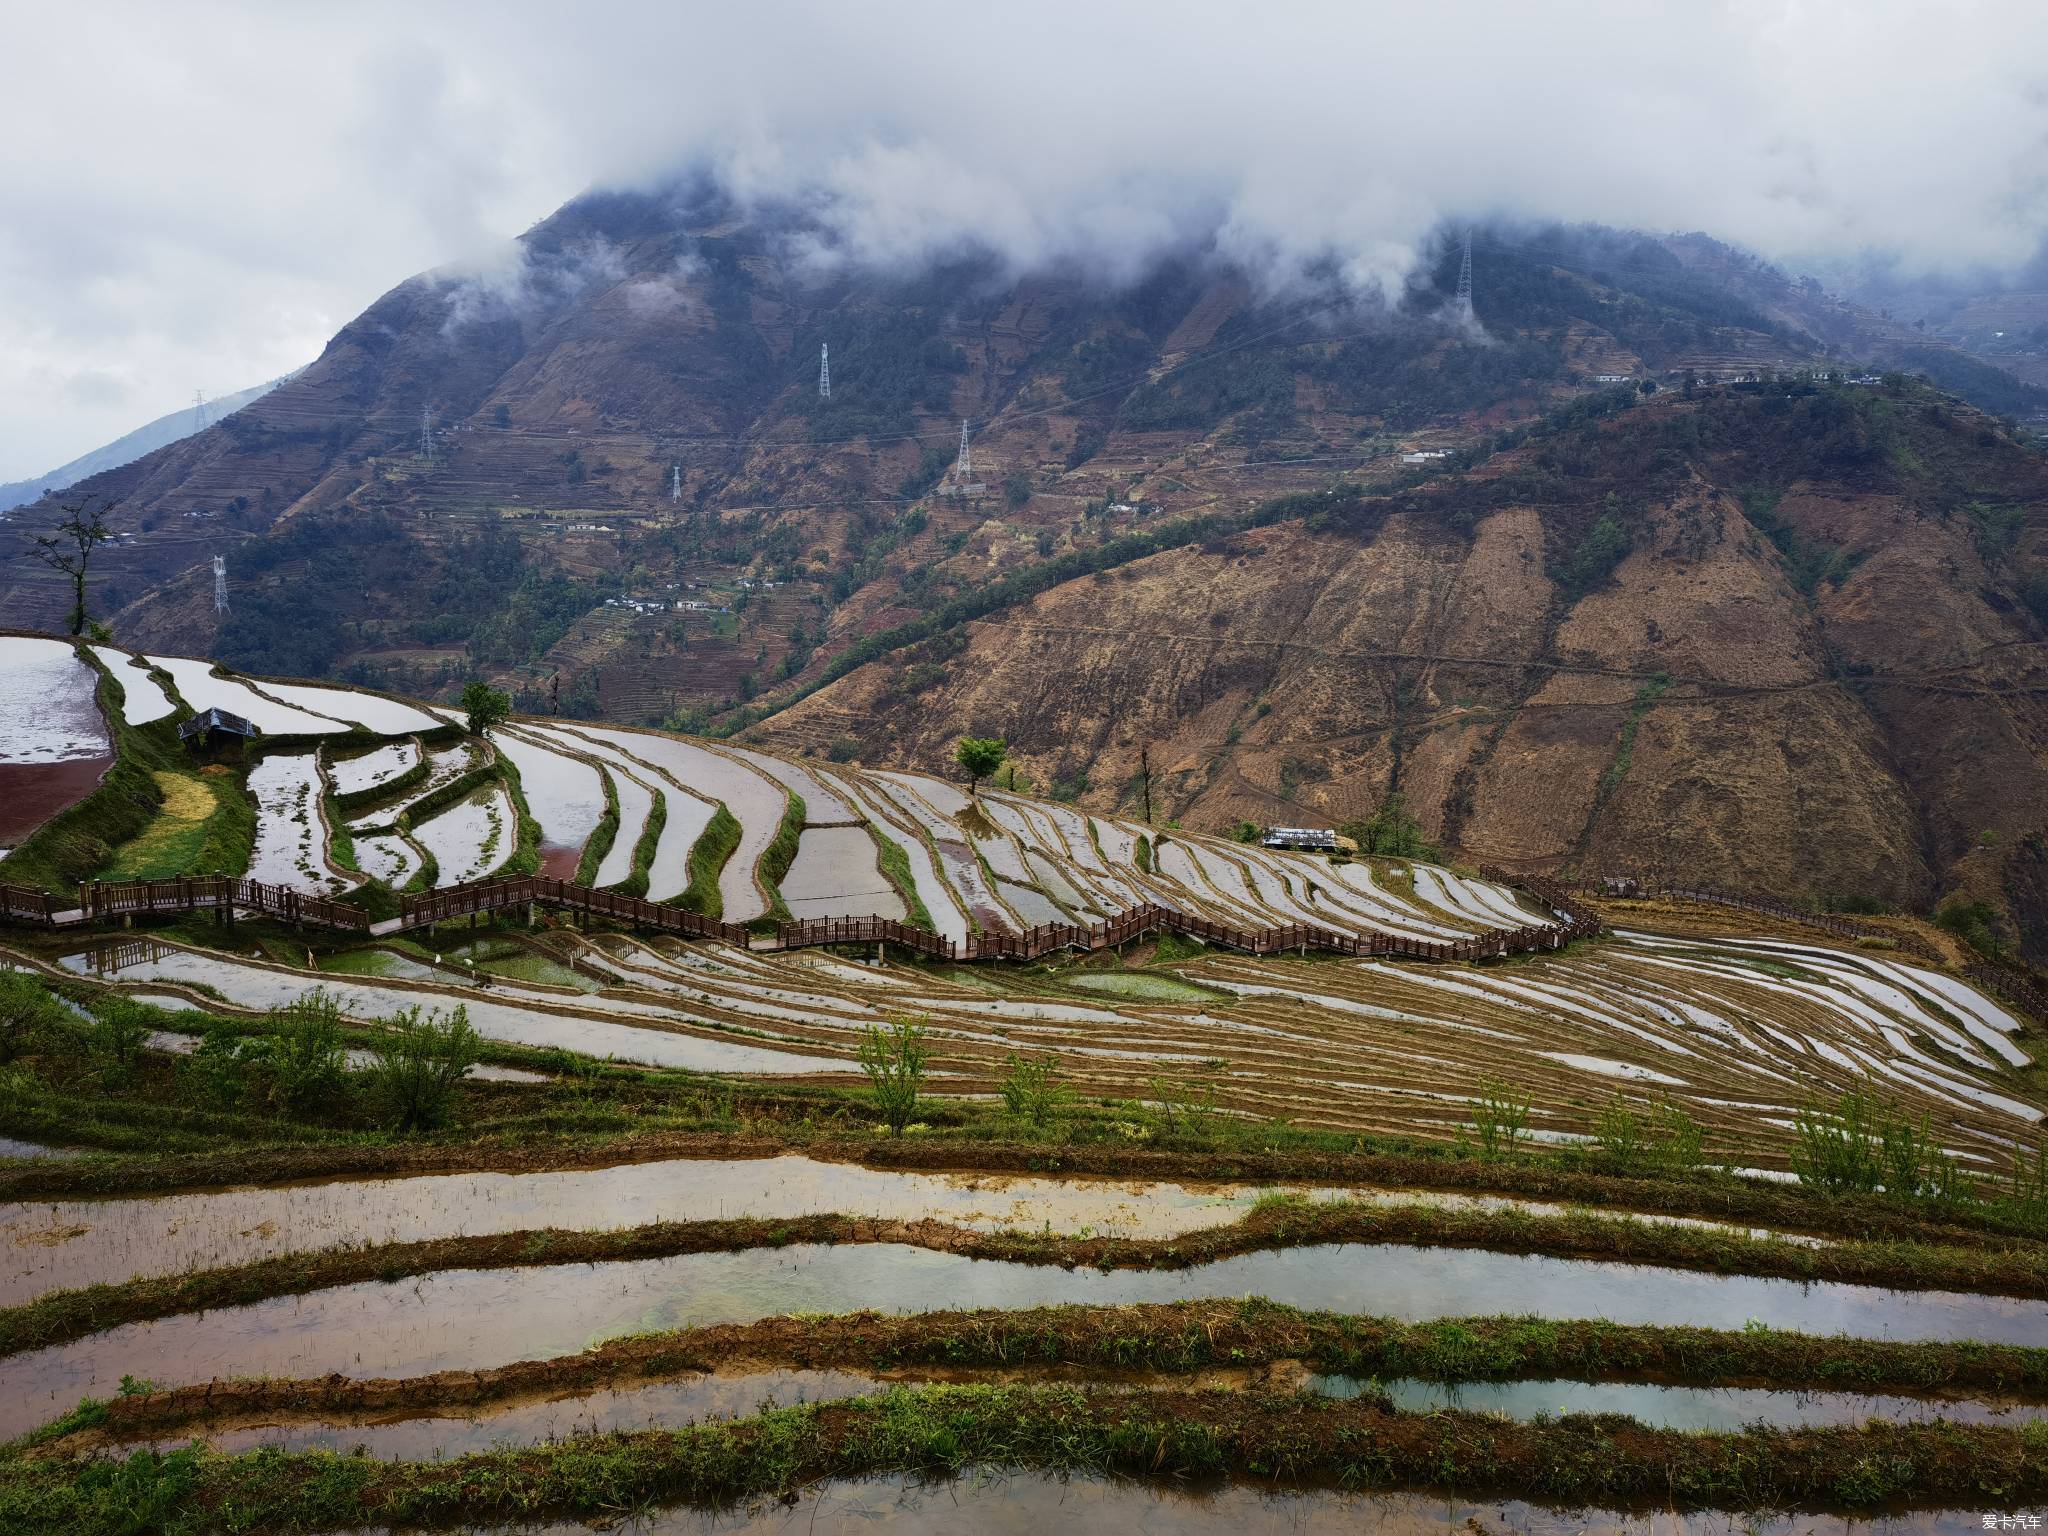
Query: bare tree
pixel 69 551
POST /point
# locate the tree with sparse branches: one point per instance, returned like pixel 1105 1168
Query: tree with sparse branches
pixel 980 756
pixel 68 552
pixel 487 707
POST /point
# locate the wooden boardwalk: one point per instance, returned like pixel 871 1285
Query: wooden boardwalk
pixel 224 897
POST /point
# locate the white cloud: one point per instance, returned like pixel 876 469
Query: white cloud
pixel 238 180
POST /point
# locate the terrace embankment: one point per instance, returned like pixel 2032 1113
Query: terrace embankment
pixel 1295 1438
pixel 1702 1194
pixel 2017 1270
pixel 539 1301
pixel 1159 1341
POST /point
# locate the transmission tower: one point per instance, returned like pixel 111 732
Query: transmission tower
pixel 675 483
pixel 199 406
pixel 220 584
pixel 426 433
pixel 963 482
pixel 1463 302
pixel 824 370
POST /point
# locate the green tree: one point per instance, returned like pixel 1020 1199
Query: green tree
pixel 419 1064
pixel 27 1013
pixel 68 552
pixel 306 1058
pixel 980 756
pixel 485 706
pixel 1392 831
pixel 1032 1090
pixel 894 1060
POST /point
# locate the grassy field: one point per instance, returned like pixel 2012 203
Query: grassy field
pixel 171 843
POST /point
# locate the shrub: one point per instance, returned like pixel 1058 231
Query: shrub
pixel 305 1056
pixel 1621 1133
pixel 1030 1089
pixel 894 1061
pixel 27 1014
pixel 417 1068
pixel 1865 1144
pixel 1499 1119
pixel 119 1032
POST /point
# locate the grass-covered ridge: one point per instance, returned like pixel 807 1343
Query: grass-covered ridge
pixel 1170 1435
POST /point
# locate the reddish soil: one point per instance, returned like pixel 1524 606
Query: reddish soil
pixel 31 793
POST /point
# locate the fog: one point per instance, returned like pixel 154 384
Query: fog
pixel 198 196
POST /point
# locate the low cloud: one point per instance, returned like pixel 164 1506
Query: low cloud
pixel 320 155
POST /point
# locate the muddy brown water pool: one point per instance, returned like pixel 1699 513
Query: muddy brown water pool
pixel 470 1319
pixel 58 1245
pixel 1030 1504
pixel 740 1394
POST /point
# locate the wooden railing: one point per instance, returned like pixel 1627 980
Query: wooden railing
pixel 26 904
pixel 221 893
pixel 121 898
pixel 518 890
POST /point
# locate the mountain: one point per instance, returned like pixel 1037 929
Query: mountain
pixel 130 446
pixel 1775 636
pixel 603 475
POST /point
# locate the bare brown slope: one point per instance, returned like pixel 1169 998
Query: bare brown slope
pixel 1877 731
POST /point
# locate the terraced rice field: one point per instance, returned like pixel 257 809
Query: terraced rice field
pixel 291 837
pixel 1366 1221
pixel 364 772
pixel 54 749
pixel 201 688
pixel 470 838
pixel 144 698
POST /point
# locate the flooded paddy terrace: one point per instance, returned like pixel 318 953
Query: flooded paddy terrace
pixel 474 1319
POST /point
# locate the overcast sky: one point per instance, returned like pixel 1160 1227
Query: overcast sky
pixel 196 196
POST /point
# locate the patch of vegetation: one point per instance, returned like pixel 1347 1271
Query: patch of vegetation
pixel 895 866
pixel 893 1060
pixel 1062 1430
pixel 781 853
pixel 603 835
pixel 1807 565
pixel 171 843
pixel 1392 832
pixel 709 855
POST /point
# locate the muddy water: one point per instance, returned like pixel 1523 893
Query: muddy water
pixel 57 1245
pixel 1704 1408
pixel 654 1405
pixel 251 986
pixel 741 1394
pixel 835 874
pixel 13 1147
pixel 468 1319
pixel 1027 1504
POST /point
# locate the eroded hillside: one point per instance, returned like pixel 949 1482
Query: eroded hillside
pixel 1786 637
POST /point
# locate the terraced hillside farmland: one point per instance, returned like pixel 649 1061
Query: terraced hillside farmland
pixel 763 1126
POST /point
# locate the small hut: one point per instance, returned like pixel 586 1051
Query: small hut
pixel 209 726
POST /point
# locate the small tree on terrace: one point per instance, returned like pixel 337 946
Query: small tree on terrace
pixel 68 551
pixel 894 1061
pixel 980 756
pixel 485 706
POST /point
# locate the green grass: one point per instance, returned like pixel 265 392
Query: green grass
pixel 525 859
pixel 1062 1430
pixel 171 843
pixel 715 845
pixel 603 835
pixel 781 853
pixel 895 865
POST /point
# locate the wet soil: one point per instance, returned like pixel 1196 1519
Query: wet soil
pixel 31 793
pixel 1254 1338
